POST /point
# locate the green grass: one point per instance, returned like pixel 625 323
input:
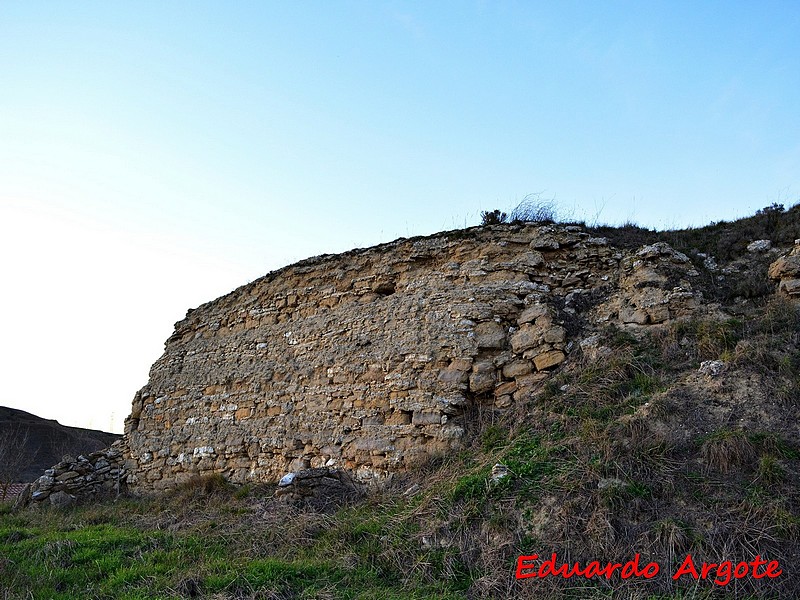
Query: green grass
pixel 457 537
pixel 122 566
pixel 126 554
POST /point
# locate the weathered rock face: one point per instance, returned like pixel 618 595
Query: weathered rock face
pixel 787 271
pixel 367 361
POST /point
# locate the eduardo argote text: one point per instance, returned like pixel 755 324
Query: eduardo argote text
pixel 722 573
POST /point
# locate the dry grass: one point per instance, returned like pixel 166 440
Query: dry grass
pixel 727 449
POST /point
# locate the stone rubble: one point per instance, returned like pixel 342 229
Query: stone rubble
pixel 98 475
pixel 711 368
pixel 320 489
pixel 655 286
pixel 759 246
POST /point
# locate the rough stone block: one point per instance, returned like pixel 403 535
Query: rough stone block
pixel 549 359
pixel 629 314
pixel 517 368
pixel 61 500
pixel 555 335
pixel 490 334
pixel 425 418
pixel 483 378
pixel 526 337
pixel 452 376
pixel 530 314
pixel 508 387
pixel 791 287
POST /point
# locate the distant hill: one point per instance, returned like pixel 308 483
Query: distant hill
pixel 42 442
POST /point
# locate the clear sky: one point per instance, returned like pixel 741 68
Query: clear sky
pixel 156 155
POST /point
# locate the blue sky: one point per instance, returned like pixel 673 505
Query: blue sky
pixel 156 155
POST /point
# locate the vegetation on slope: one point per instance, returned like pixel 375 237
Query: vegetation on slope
pixel 723 240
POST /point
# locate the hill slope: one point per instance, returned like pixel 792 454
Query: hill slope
pixel 39 443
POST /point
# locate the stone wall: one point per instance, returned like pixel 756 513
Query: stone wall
pixel 369 361
pixel 99 475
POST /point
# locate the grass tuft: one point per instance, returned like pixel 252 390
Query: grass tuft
pixel 726 449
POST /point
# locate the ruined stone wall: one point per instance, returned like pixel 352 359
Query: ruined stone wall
pixel 99 475
pixel 369 360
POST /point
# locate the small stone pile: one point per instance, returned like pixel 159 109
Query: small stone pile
pixel 321 489
pixel 100 474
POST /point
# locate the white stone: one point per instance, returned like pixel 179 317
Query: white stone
pixel 711 368
pixel 499 473
pixel 286 480
pixel 203 451
pixel 759 246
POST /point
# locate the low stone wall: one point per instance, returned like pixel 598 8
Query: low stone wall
pixel 99 475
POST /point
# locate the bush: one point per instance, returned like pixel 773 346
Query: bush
pixel 494 217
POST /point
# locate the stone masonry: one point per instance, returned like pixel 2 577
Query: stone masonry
pixel 99 475
pixel 786 270
pixel 369 361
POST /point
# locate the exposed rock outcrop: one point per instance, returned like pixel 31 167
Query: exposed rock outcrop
pixel 786 270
